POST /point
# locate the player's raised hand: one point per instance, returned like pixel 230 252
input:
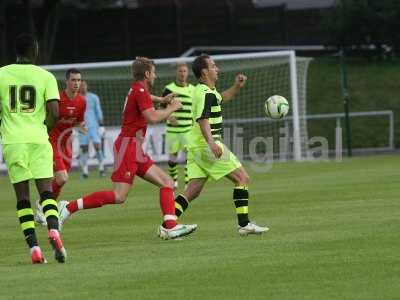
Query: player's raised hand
pixel 175 104
pixel 168 98
pixel 240 80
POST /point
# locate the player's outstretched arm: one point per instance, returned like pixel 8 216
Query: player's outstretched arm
pixel 240 81
pixel 155 116
pixel 164 99
pixel 206 132
pixel 52 115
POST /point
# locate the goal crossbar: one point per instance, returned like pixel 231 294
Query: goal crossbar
pixel 288 54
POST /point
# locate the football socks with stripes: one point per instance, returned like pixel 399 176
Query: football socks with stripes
pixel 25 216
pixel 50 209
pixel 241 200
pixel 181 204
pixel 173 170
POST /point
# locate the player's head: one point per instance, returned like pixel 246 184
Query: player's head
pixel 143 69
pixel 73 80
pixel 26 48
pixel 182 72
pixel 84 87
pixel 204 68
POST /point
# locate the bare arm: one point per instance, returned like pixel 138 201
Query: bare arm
pixel 52 113
pixel 228 94
pixel 164 99
pixel 155 116
pixel 156 99
pixel 206 132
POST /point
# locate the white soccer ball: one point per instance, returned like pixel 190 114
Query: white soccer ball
pixel 276 107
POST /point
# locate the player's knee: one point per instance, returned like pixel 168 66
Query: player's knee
pixel 62 179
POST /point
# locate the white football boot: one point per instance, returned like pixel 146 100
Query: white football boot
pixel 63 213
pixel 39 215
pixel 251 228
pixel 178 231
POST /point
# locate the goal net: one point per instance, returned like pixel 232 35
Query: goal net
pixel 246 129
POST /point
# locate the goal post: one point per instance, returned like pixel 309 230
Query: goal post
pixel 269 73
pixel 295 107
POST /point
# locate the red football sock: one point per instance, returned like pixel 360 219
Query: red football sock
pixel 93 200
pixel 56 188
pixel 167 204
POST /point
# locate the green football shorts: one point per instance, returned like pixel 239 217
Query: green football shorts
pixel 176 141
pixel 28 161
pixel 201 163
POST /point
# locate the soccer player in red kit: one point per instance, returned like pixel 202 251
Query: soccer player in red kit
pixel 130 159
pixel 72 108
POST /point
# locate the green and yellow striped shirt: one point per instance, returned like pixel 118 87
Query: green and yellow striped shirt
pixel 183 115
pixel 206 105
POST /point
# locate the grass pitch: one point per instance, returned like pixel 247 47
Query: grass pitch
pixel 334 235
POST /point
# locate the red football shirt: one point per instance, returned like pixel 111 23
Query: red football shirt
pixel 138 100
pixel 71 113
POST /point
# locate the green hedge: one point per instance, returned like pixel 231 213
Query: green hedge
pixel 373 85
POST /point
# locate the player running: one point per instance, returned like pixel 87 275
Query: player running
pixel 72 112
pixel 180 121
pixel 130 159
pixel 208 157
pixel 26 93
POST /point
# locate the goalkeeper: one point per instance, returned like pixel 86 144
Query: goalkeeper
pixel 95 133
pixel 208 157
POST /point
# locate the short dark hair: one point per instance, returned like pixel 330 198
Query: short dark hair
pixel 71 71
pixel 140 65
pixel 199 64
pixel 25 45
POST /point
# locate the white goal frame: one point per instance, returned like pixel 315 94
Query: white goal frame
pixel 289 54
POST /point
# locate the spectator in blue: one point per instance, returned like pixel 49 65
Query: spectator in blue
pixel 94 124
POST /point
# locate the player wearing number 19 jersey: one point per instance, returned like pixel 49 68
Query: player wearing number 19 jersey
pixel 26 92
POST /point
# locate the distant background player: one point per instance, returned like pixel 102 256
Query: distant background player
pixel 180 121
pixel 95 131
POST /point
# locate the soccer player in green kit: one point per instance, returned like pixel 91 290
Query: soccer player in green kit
pixel 26 93
pixel 180 121
pixel 208 157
